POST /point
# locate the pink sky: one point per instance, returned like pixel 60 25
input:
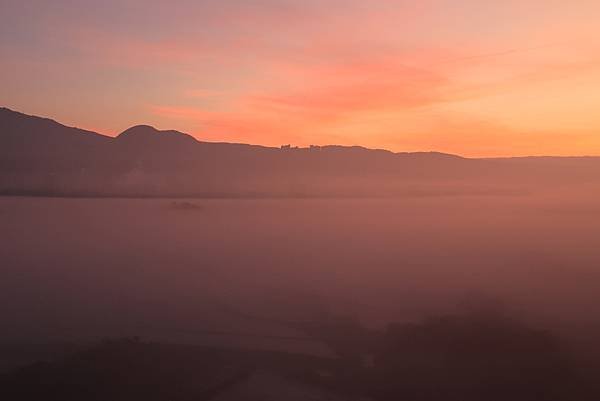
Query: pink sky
pixel 476 78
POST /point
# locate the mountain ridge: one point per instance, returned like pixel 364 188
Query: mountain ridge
pixel 42 156
pixel 167 132
pixel 145 130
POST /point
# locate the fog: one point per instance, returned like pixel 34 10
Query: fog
pixel 223 271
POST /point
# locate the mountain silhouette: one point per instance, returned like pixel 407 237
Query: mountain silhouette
pixel 145 135
pixel 39 156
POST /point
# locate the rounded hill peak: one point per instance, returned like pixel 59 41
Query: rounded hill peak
pixel 140 128
pixel 146 134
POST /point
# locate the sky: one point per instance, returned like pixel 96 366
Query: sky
pixel 478 78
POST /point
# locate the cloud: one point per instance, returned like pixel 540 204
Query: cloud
pixel 305 72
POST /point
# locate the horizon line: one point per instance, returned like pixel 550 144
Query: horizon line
pixel 307 147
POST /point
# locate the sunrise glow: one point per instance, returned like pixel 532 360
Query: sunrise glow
pixel 475 78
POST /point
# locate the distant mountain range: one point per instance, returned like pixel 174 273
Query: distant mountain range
pixel 39 156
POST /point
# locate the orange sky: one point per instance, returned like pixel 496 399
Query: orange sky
pixel 476 78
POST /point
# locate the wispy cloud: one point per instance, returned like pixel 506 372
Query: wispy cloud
pixel 310 72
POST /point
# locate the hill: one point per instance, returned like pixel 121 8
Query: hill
pixel 39 156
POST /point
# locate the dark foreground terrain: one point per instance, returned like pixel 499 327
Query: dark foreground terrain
pixel 477 355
